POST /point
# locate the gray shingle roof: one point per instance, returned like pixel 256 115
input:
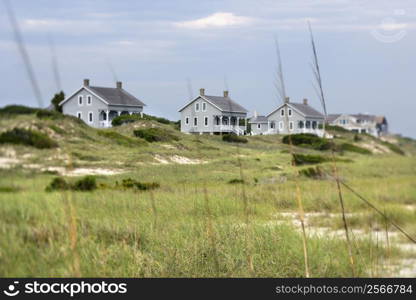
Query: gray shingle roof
pixel 307 110
pixel 226 104
pixel 115 96
pixel 332 117
pixel 258 119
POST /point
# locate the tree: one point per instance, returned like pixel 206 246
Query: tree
pixel 58 98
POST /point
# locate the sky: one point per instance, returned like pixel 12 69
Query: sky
pixel 164 51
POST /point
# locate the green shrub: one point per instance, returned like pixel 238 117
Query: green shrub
pixel 233 138
pixel 155 135
pixel 357 138
pixel 236 181
pixel 307 140
pixel 87 183
pixel 20 136
pixel 57 184
pixel 121 139
pixel 336 128
pixel 9 189
pixel 143 186
pixel 17 110
pixel 354 148
pixel 394 148
pixel 313 172
pixel 308 159
pixel 125 119
pixel 49 114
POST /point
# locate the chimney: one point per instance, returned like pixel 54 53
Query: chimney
pixel 305 101
pixel 202 92
pixel 225 94
pixel 118 84
pixel 255 114
pixel 86 82
pixel 287 99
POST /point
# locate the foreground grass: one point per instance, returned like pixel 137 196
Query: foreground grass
pixel 174 231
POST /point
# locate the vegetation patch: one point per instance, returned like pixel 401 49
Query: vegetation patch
pixel 121 139
pixel 49 114
pixel 308 159
pixel 236 181
pixel 17 110
pixel 313 172
pixel 336 128
pixel 130 183
pixel 155 135
pixel 307 140
pixel 20 136
pixel 9 189
pixel 394 148
pixel 87 183
pixel 233 138
pixel 353 148
pixel 125 119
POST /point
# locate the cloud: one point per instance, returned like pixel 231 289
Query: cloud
pixel 217 20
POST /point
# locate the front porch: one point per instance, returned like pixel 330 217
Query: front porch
pixel 105 117
pixel 230 124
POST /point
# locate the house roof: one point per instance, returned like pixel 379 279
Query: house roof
pixel 116 96
pixel 332 117
pixel 225 104
pixel 258 119
pixel 304 109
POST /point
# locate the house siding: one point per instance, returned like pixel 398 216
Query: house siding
pixel 71 107
pixel 256 131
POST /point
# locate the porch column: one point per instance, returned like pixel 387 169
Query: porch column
pixel 229 121
pixel 238 125
pixel 107 117
pixel 245 125
pixel 130 113
pixel 119 113
pixel 221 124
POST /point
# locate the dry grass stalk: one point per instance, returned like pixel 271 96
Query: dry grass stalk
pixel 280 86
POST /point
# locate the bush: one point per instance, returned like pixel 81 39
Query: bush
pixel 57 184
pixel 49 114
pixel 313 172
pixel 121 139
pixel 307 140
pixel 20 136
pixel 353 148
pixel 336 128
pixel 155 135
pixel 17 110
pixel 143 186
pixel 394 148
pixel 87 183
pixel 308 159
pixel 125 119
pixel 235 181
pixel 233 138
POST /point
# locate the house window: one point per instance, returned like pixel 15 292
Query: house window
pixel 89 100
pixel 217 120
pixel 204 106
pixel 314 124
pixel 187 121
pixel 205 120
pixel 258 126
pixel 280 125
pixel 308 124
pixel 272 125
pixel 197 106
pixel 79 115
pixel 90 117
pixel 80 98
pixel 301 124
pixel 195 121
pixel 282 112
pixel 290 125
pixel 289 112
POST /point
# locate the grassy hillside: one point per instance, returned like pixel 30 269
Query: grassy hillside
pixel 222 209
